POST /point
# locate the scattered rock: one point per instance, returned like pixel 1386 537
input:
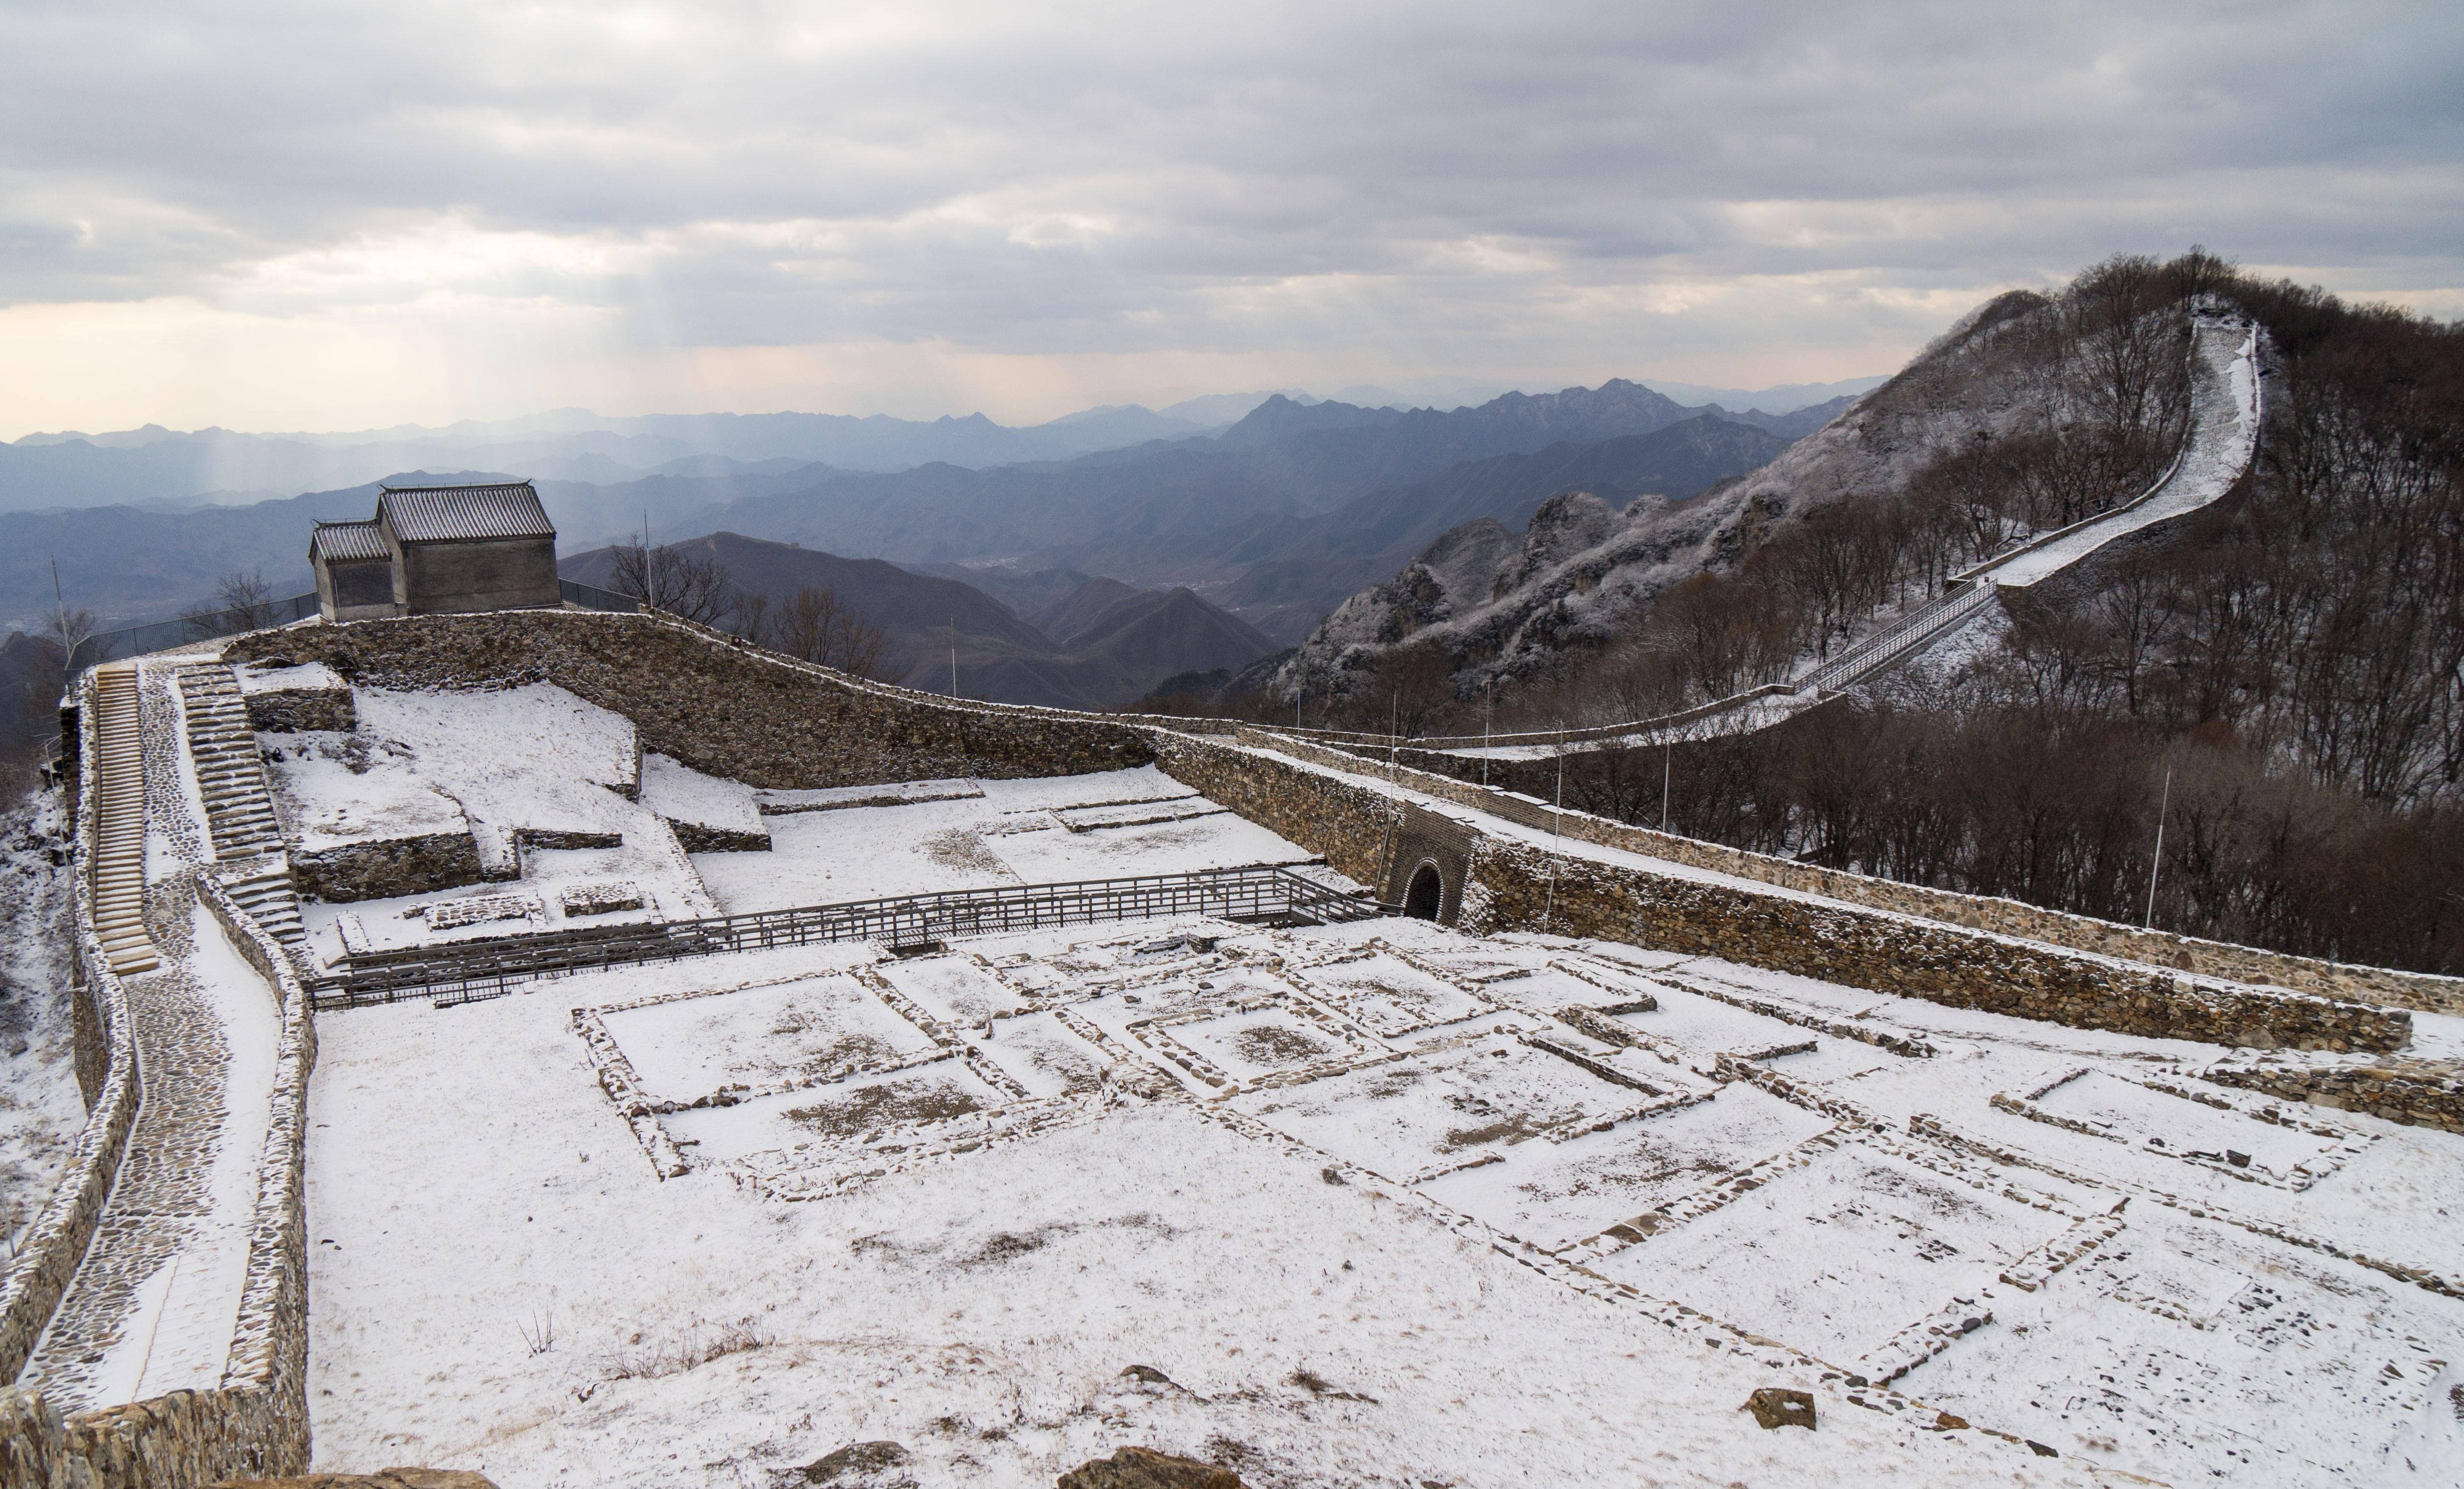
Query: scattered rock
pixel 1777 1406
pixel 1147 1374
pixel 859 1465
pixel 1144 1468
pixel 1945 1422
pixel 2039 1449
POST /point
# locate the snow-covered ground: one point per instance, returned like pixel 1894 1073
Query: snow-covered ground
pixel 2224 433
pixel 512 767
pixel 40 1110
pixel 973 835
pixel 1376 1204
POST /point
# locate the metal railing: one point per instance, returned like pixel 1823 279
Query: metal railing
pixel 590 596
pixel 136 640
pixel 471 970
pixel 1882 645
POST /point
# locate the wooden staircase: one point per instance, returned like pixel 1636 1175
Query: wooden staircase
pixel 119 865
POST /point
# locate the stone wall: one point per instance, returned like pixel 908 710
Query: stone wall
pixel 255 1424
pixel 1431 772
pixel 285 710
pixel 1514 886
pixel 715 703
pixel 380 869
pixel 2427 1093
pixel 49 1250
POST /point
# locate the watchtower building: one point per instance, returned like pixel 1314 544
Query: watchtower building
pixel 438 550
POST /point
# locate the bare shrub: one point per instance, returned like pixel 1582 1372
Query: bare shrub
pixel 815 625
pixel 695 587
pixel 695 1344
pixel 242 602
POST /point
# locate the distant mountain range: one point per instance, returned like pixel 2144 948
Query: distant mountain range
pixel 1276 518
pixel 1103 645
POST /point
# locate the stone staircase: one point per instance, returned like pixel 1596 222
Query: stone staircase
pixel 239 814
pixel 250 861
pixel 119 825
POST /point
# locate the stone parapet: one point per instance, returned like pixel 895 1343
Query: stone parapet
pixel 715 703
pixel 49 1250
pixel 1429 772
pixel 1516 886
pixel 2423 1093
pixel 255 1423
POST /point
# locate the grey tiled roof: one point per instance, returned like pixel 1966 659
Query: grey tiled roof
pixel 333 540
pixel 445 514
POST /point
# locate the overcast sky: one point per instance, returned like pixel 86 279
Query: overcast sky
pixel 317 215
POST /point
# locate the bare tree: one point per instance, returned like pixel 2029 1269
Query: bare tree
pixel 814 626
pixel 242 602
pixel 694 586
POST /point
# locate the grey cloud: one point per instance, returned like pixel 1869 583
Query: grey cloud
pixel 174 150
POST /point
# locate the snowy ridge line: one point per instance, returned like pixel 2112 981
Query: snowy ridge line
pixel 1965 595
pixel 53 1247
pixel 1990 915
pixel 2237 443
pixel 1926 1125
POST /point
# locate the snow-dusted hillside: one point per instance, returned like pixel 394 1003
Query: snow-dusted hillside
pixel 1583 575
pixel 41 1111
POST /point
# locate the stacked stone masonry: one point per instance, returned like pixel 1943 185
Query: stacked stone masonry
pixel 1426 771
pixel 255 1422
pixel 752 715
pixel 1514 886
pixel 2427 1093
pixel 729 709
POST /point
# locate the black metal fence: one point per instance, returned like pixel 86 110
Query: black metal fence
pixel 469 971
pixel 136 641
pixel 590 596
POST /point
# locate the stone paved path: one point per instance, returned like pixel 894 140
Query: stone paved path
pixel 153 1308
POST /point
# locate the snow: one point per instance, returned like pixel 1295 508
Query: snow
pixel 981 1310
pixel 176 1334
pixel 41 1112
pixel 500 765
pixel 1897 1243
pixel 304 676
pixel 681 794
pixel 796 1033
pixel 2225 433
pixel 1005 832
pixel 831 799
pixel 1235 1156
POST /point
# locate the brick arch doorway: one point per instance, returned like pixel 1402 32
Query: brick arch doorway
pixel 1427 894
